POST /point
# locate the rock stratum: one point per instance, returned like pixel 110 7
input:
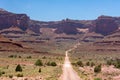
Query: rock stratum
pixel 104 25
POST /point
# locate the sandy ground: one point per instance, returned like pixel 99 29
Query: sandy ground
pixel 107 73
pixel 68 72
pixel 22 78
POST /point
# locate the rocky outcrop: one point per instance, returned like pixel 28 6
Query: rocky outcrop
pixel 68 27
pixel 8 19
pixel 35 26
pixel 105 25
pixel 13 29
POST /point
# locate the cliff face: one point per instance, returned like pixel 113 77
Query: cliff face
pixel 22 21
pixel 64 26
pixel 8 19
pixel 105 25
pixel 67 27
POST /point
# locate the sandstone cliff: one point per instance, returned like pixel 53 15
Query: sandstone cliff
pixel 8 19
pixel 105 25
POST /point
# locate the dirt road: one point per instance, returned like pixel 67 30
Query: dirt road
pixel 68 72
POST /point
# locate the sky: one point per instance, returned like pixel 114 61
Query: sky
pixel 54 10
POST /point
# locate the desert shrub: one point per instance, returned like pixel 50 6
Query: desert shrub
pixel 115 62
pixel 109 62
pixel 39 70
pixel 2 72
pixel 48 63
pixel 97 79
pixel 29 57
pixel 6 67
pixel 80 63
pixel 92 64
pixel 44 57
pixel 74 64
pixel 19 75
pixel 117 65
pixel 59 58
pixel 53 64
pixel 87 63
pixel 38 63
pixel 19 57
pixel 10 76
pixel 12 56
pixel 18 68
pixel 97 69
